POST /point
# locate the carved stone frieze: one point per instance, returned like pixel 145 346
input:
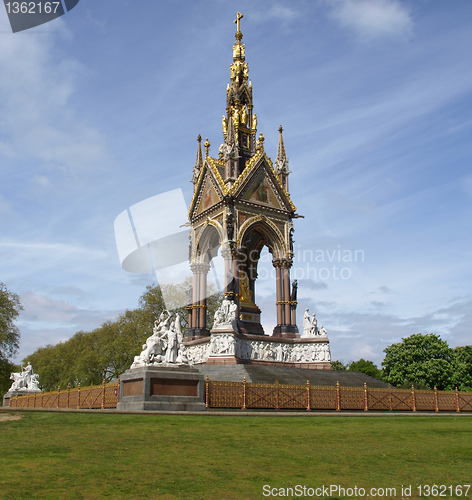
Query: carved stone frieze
pixel 229 344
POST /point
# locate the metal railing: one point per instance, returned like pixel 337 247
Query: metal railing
pixel 93 397
pixel 246 395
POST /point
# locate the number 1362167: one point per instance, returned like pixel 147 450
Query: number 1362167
pixel 441 490
pixel 32 7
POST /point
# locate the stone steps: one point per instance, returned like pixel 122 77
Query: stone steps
pixel 269 374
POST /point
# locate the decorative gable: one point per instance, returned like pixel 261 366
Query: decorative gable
pixel 259 184
pixel 207 193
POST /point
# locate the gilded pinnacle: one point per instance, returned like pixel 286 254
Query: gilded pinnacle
pixel 237 21
pixel 207 147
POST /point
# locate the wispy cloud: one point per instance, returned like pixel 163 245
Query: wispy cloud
pixel 285 14
pixel 60 249
pixel 45 309
pixel 312 284
pixel 46 320
pixel 373 18
pixel 378 330
pixel 39 121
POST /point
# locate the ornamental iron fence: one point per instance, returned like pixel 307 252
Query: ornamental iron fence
pixel 93 397
pixel 247 396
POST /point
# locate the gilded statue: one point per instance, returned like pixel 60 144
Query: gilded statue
pixel 225 126
pixel 244 115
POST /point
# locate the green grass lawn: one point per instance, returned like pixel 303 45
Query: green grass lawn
pixel 94 456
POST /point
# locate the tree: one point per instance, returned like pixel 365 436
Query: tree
pixel 152 301
pixel 367 367
pixel 10 308
pixel 6 368
pixel 422 360
pixel 106 352
pixel 337 365
pixel 462 378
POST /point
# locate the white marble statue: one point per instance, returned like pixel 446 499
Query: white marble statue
pixel 306 323
pixel 26 380
pixel 225 315
pixel 310 325
pixel 164 345
pixel 314 325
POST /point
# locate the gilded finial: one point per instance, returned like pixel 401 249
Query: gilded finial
pixel 237 21
pixel 207 147
pixel 281 129
pixel 260 142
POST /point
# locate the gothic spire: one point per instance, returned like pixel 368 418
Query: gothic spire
pixel 230 154
pixel 281 162
pixel 239 106
pixel 198 161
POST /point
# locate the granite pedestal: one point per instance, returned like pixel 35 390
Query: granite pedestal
pixel 167 388
pixel 11 394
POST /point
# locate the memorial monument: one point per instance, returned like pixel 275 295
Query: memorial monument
pixel 161 377
pixel 24 382
pixel 241 204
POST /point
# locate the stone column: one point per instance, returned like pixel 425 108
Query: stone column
pixel 279 292
pixel 236 284
pixel 287 295
pixel 195 297
pixel 189 309
pixel 204 268
pixel 198 311
pixel 294 314
pixel 226 254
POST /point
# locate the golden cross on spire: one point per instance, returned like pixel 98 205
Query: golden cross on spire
pixel 237 21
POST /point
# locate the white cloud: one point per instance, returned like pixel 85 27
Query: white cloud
pixel 45 320
pixel 43 308
pixel 283 13
pixel 378 330
pixel 373 18
pixel 40 182
pixel 54 250
pixel 37 89
pixel 5 206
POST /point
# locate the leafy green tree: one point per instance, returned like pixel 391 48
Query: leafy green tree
pixel 152 302
pixel 367 367
pixel 462 377
pixel 6 368
pixel 10 308
pixel 46 363
pixel 421 360
pixel 338 365
pixel 106 352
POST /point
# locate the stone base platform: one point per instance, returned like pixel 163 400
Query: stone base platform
pixel 11 394
pixel 179 388
pixel 226 346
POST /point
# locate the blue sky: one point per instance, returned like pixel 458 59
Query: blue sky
pixel 101 109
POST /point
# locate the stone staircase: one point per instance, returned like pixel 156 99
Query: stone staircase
pixel 269 374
